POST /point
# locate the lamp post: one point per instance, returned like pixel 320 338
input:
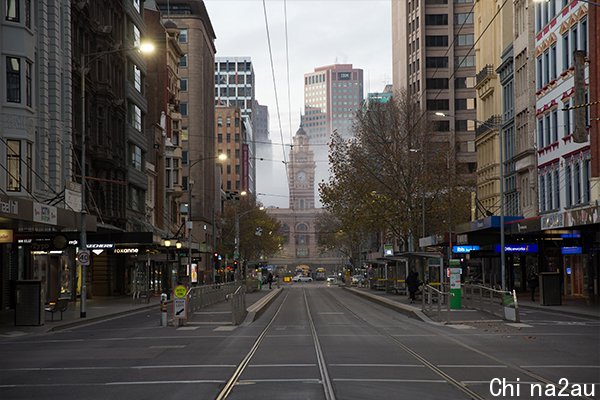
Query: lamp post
pixel 85 60
pixel 498 126
pixel 220 157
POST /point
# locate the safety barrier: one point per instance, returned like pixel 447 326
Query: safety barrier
pixel 237 300
pixel 500 303
pixel 205 295
pixel 433 300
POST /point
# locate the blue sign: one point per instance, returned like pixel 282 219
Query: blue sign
pixel 568 270
pixel 518 248
pixel 571 250
pixel 464 249
pixel 574 235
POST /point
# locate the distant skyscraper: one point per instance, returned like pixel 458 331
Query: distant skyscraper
pixel 234 87
pixel 332 94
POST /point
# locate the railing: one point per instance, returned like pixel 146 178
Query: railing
pixel 492 123
pixel 433 300
pixel 205 295
pixel 500 303
pixel 237 300
pixel 484 74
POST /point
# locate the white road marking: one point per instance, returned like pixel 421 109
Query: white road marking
pixel 167 346
pixel 280 365
pixel 377 365
pixel 115 383
pixel 225 328
pixel 331 313
pixel 252 381
pixel 116 367
pixel 518 325
pixel 209 323
pixel 187 328
pixel 391 380
pixel 471 366
pixel 460 326
pixel 560 366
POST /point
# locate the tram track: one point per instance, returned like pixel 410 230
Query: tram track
pixel 454 382
pixel 243 365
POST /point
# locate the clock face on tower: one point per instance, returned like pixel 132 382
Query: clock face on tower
pixel 301 176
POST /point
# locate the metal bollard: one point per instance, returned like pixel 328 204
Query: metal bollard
pixel 163 309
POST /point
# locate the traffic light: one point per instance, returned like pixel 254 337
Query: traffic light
pixel 216 260
pixel 235 265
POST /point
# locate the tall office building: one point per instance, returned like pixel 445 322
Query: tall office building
pixel 197 109
pixel 234 87
pixel 433 59
pixel 332 95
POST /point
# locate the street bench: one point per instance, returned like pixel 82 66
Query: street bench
pixel 59 305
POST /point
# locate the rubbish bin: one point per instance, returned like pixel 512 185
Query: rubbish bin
pixel 550 289
pixel 28 303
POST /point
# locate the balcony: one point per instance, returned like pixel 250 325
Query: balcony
pixel 492 123
pixel 484 75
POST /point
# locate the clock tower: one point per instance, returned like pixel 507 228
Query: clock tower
pixel 301 173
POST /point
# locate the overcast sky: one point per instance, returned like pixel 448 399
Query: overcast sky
pixel 320 33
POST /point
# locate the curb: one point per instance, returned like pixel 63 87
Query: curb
pixel 416 313
pixel 256 309
pixel 563 312
pixel 100 318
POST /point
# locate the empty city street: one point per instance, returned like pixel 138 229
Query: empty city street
pixel 313 342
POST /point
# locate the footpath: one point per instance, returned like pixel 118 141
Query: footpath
pixel 401 303
pixel 102 308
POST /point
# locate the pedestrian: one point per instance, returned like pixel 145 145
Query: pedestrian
pixel 270 279
pixel 412 284
pixel 532 281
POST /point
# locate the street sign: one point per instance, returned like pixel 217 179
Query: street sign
pixel 180 292
pixel 84 257
pixel 180 308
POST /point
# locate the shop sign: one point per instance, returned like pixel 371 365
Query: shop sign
pixel 10 207
pixel 551 221
pixel 6 235
pixel 100 245
pixel 465 249
pixel 583 216
pixel 518 248
pixel 571 250
pixel 133 250
pixel 388 250
pixel 45 214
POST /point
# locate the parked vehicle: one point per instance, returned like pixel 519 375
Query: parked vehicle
pixel 301 278
pixel 331 279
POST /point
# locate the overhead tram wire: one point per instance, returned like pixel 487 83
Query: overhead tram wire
pixel 274 81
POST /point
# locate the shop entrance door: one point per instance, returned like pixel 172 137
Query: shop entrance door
pixel 573 275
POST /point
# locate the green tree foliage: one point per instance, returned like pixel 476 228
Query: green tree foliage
pixel 391 173
pixel 258 231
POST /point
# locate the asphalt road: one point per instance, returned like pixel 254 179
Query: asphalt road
pixel 314 342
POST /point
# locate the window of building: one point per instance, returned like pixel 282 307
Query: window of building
pixel 183 109
pixel 137 78
pixel 436 41
pixel 437 83
pixel 220 138
pixel 546 68
pixel 12 10
pixel 586 181
pixel 135 157
pixel 548 130
pixel 553 67
pixel 539 73
pixel 464 61
pixel 465 40
pixel 136 5
pixel 13 79
pixel 135 116
pixel 183 61
pixel 228 121
pixel 183 36
pixel 27 4
pixel 568 186
pixel 554 126
pixel 540 125
pixel 136 198
pixel 463 18
pixel 13 165
pixel 542 193
pixel 584 35
pixel 464 125
pixel 436 62
pixel 556 193
pixel 436 19
pixel 464 104
pixel 442 126
pixel 438 104
pixel 565 52
pixel 28 84
pixel 228 138
pixel 183 85
pixel 433 2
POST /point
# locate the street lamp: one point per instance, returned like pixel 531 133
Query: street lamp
pixel 220 157
pixel 498 126
pixel 85 60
